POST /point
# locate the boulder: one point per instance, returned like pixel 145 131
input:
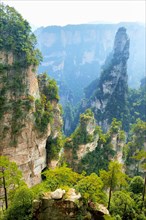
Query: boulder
pixel 103 209
pixel 72 195
pixel 57 194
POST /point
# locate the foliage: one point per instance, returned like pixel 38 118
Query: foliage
pixel 136 185
pixel 16 36
pixel 135 145
pixel 21 206
pixel 113 178
pixel 81 135
pixel 101 156
pixel 18 41
pixel 48 87
pixel 91 189
pixel 115 126
pixel 137 104
pixel 43 113
pixel 10 178
pixel 44 108
pixel 68 116
pixel 53 146
pixel 60 177
pixel 123 205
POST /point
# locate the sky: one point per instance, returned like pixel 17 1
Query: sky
pixel 45 13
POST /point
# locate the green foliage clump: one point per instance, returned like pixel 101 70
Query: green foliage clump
pixel 137 103
pixel 136 184
pixel 122 205
pixel 21 205
pixel 91 188
pixel 10 178
pixel 48 87
pixel 53 146
pixel 81 135
pixel 60 177
pixel 101 156
pixel 134 146
pixel 16 36
pixel 43 113
pixel 115 126
pixel 113 178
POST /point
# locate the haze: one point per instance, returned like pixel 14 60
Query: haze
pixel 44 13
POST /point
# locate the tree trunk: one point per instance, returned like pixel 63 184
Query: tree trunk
pixel 110 194
pixel 5 190
pixel 144 191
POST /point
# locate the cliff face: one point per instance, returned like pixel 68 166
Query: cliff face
pixel 74 54
pixel 89 149
pixel 21 140
pixel 82 141
pixel 112 84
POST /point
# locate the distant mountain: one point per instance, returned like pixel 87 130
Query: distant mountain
pixel 74 54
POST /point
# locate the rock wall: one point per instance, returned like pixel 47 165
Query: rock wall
pixel 112 84
pixel 20 140
pixel 82 141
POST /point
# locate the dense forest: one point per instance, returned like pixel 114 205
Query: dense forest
pixel 99 172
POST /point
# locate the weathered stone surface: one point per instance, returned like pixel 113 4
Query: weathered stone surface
pixel 112 83
pixel 28 146
pixel 66 208
pixel 57 194
pixel 71 195
pixel 103 209
pixel 86 148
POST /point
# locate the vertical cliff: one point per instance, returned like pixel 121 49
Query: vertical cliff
pixel 27 115
pixel 109 99
pixel 82 141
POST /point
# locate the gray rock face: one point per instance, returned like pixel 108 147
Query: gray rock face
pixel 73 54
pixel 121 45
pixel 109 99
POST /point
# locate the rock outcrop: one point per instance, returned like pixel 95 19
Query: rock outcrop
pixel 109 99
pixel 21 140
pixel 48 208
pixel 83 140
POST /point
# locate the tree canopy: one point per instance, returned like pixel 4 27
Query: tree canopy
pixel 17 37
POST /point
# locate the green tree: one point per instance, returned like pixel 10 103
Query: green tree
pixel 91 189
pixel 123 205
pixel 16 36
pixel 136 185
pixel 134 145
pixel 60 177
pixel 10 177
pixel 113 178
pixel 21 205
pixel 141 156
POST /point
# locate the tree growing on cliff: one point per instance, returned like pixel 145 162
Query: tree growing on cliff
pixel 113 178
pixel 10 178
pixel 16 36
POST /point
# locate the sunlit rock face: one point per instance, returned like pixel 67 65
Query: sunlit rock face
pixel 20 140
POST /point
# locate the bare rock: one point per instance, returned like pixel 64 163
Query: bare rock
pixel 57 194
pixel 72 195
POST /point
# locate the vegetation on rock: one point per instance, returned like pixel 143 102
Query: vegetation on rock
pixel 17 37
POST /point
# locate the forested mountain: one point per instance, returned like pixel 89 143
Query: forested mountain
pixel 73 55
pixel 97 172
